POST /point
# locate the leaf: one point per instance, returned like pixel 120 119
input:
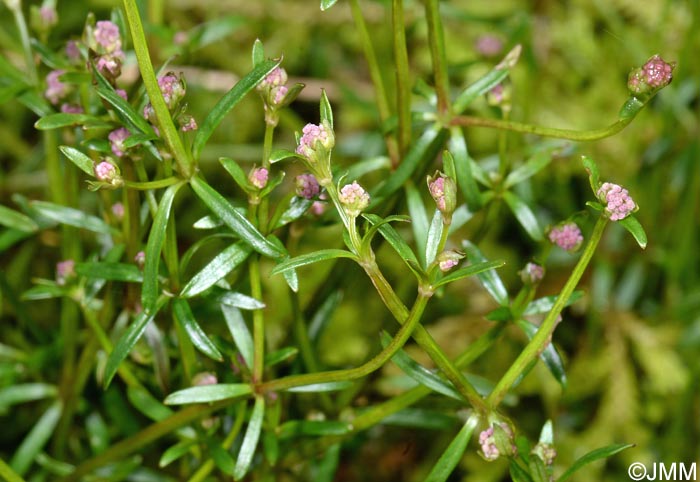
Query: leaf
pixel 489 279
pixel 421 418
pixel 145 403
pixel 463 167
pixel 228 102
pixel 321 387
pixel 240 333
pixel 360 168
pixel 532 166
pixel 183 315
pixel 517 473
pixel 234 220
pixel 593 173
pixel 236 173
pixel 545 304
pixel 631 224
pixel 433 239
pixel 282 154
pixel 326 112
pixel 309 258
pixel 129 273
pixel 35 440
pixel 296 209
pixel 221 457
pixel 250 440
pixel 550 356
pixel 524 215
pixel 78 158
pixel 127 341
pixel 419 373
pixel 208 393
pixel 71 217
pixel 419 219
pixel 224 262
pixel 470 270
pixel 154 245
pixel 239 300
pixel 25 392
pixel 547 433
pixel 97 432
pixel 280 356
pixel 397 242
pixel 16 220
pixel 326 4
pixel 64 119
pixel 258 52
pixel 592 456
pixel 453 454
pixel 484 84
pixel 175 452
pixel 44 292
pixel 316 428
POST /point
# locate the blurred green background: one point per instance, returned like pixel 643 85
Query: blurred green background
pixel 630 345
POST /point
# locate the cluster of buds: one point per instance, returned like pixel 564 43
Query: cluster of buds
pixel 546 452
pixel 65 270
pixel 108 175
pixel 307 186
pixel 44 18
pixel 116 140
pixel 443 189
pixel 354 199
pixel 173 88
pixel 497 440
pixel 448 259
pixel 618 202
pixel 655 74
pixel 106 41
pixel 275 94
pixel 258 177
pixel 55 89
pixel 488 45
pixel 566 235
pixel 315 145
pixel 532 274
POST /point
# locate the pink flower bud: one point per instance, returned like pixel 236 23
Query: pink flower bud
pixel 258 177
pixel 448 259
pixel 532 274
pixel 488 445
pixel 118 211
pixel 443 189
pixel 277 77
pixel 489 45
pixel 204 378
pixel 106 172
pixel 116 139
pixel 73 51
pixel 314 137
pixel 188 123
pixel 173 89
pixel 618 203
pixel 140 259
pixel 71 108
pixel 110 66
pixel 567 236
pixel 654 74
pixel 354 199
pixel 55 89
pixel 545 452
pixel 307 186
pixel 64 271
pixel 121 93
pixel 107 36
pixel 278 94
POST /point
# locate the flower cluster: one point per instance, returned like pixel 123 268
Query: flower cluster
pixel 315 145
pixel 497 440
pixel 443 189
pixel 354 199
pixel 258 177
pixel 65 270
pixel 107 173
pixel 116 139
pixel 106 40
pixel 307 186
pixel 55 89
pixel 173 88
pixel 448 259
pixel 532 273
pixel 653 75
pixel 618 203
pixel 567 236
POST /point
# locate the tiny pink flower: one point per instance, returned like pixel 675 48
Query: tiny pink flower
pixel 258 177
pixel 546 452
pixel 109 66
pixel 55 89
pixel 489 45
pixel 48 15
pixel 107 36
pixel 618 202
pixel 140 259
pixel 106 172
pixel 567 236
pixel 189 124
pixel 180 38
pixel 116 139
pixel 121 93
pixel 307 186
pixel 71 108
pixel 204 378
pixel 444 191
pixel 277 77
pixel 448 259
pixel 173 89
pixel 64 271
pixel 72 51
pixel 657 72
pixel 318 208
pixel 312 137
pixel 354 199
pixel 532 274
pixel 488 444
pixel 279 94
pixel 118 211
pixel 149 113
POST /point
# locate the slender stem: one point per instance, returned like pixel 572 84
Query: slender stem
pixel 574 135
pixel 155 11
pixel 436 39
pixel 403 80
pixel 21 23
pixel 183 159
pixel 157 184
pixel 6 473
pixel 376 75
pixel 263 209
pixel 544 334
pixel 365 369
pixel 258 321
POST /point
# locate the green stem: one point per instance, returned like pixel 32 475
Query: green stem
pixel 158 184
pixel 263 210
pixel 258 321
pixel 403 80
pixel 168 131
pixel 436 39
pixel 375 363
pixel 544 334
pixel 142 176
pixel 21 23
pixel 6 473
pixel 574 135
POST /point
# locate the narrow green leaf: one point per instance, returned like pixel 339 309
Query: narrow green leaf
pixel 209 32
pixel 147 404
pixel 545 304
pixel 360 168
pixel 183 315
pixel 239 300
pixel 396 241
pixel 26 392
pixel 325 109
pixel 324 469
pixel 453 454
pixel 421 418
pixel 35 440
pixel 484 84
pixel 258 52
pixel 221 457
pixel 228 102
pixel 547 433
pixel 517 473
pixel 236 173
pixel 463 167
pixel 63 119
pixel 71 217
pixel 279 356
pixel 44 292
pixel 470 270
pixel 208 393
pixel 597 454
pixel 156 238
pixel 489 279
pixel 127 341
pixel 433 238
pixel 631 224
pixel 175 452
pixel 240 333
pixel 316 428
pixel 419 373
pixel 16 220
pixel 419 219
pixel 309 258
pixel 282 154
pixel 78 158
pixel 224 263
pixel 524 215
pixel 234 220
pixel 133 120
pixel 97 432
pixel 326 4
pixel 9 92
pixel 250 440
pixel 7 474
pixel 296 209
pixel 532 166
pixel 550 356
pixel 128 273
pixel 593 173
pixel 321 387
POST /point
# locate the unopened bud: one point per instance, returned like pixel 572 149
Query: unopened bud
pixel 566 235
pixel 258 177
pixel 448 259
pixel 618 202
pixel 532 274
pixel 655 74
pixel 65 270
pixel 354 199
pixel 443 189
pixel 307 186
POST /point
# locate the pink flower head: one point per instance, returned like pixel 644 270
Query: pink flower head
pixel 354 199
pixel 258 177
pixel 497 440
pixel 180 38
pixel 444 191
pixel 118 210
pixel 618 203
pixel 657 72
pixel 55 89
pixel 110 65
pixel 489 45
pixel 107 36
pixel 278 94
pixel 187 123
pixel 72 51
pixel 173 89
pixel 121 93
pixel 140 259
pixel 277 77
pixel 116 139
pixel 48 16
pixel 448 259
pixel 488 445
pixel 106 172
pixel 532 273
pixel 149 113
pixel 64 271
pixel 67 108
pixel 307 186
pixel 204 378
pixel 313 137
pixel 567 236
